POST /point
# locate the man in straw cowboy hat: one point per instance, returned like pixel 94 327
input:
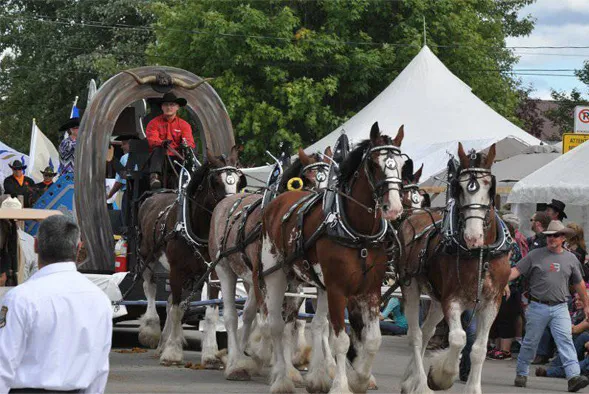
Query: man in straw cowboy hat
pixel 165 134
pixel 549 271
pixel 18 184
pixel 67 147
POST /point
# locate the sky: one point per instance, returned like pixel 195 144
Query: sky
pixel 558 23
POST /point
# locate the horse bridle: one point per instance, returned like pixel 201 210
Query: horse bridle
pixel 321 174
pixel 472 187
pixel 380 188
pixel 230 179
pixel 413 190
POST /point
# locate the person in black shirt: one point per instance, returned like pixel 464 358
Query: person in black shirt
pixel 18 184
pixel 41 187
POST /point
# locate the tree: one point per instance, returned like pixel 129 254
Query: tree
pixel 53 49
pixel 529 113
pixel 563 115
pixel 292 71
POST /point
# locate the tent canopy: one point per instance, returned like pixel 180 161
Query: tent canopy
pixel 437 109
pixel 508 171
pixel 564 179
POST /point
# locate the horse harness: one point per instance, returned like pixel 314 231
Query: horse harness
pixel 336 225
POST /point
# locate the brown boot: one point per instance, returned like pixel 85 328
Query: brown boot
pixel 540 371
pixel 154 181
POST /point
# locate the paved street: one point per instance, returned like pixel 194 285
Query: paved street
pixel 141 373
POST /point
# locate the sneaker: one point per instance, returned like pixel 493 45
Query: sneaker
pixel 540 360
pixel 520 381
pixel 541 371
pixel 577 383
pixel 499 355
pixel 154 181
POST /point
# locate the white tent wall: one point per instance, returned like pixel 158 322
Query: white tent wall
pixel 564 179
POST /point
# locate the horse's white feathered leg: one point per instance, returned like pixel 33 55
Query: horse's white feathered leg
pixel 149 323
pixel 415 379
pixel 318 379
pixel 484 320
pixel 445 364
pixel 173 348
pixel 210 348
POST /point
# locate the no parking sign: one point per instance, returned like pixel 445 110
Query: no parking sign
pixel 581 119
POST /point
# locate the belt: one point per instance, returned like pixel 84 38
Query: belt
pixel 549 303
pixel 33 390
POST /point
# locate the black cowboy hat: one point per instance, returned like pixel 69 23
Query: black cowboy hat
pixel 73 122
pixel 557 206
pixel 171 98
pixel 17 165
pixel 48 171
pixel 126 137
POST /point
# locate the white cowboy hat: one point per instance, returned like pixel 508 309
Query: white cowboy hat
pixel 11 202
pixel 556 227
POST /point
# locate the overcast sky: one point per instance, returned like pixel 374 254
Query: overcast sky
pixel 558 23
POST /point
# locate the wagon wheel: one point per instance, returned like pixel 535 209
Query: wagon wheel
pixel 96 128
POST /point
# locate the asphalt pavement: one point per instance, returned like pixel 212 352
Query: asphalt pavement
pixel 142 373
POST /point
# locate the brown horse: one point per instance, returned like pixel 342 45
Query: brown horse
pixel 341 249
pixel 410 195
pixel 462 265
pixel 162 240
pixel 235 232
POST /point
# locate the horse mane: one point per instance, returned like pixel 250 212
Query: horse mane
pixel 354 159
pixel 407 171
pixel 294 171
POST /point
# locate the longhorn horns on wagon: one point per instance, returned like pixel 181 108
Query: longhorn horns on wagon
pixel 165 80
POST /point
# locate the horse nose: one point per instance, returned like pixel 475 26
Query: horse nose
pixel 473 241
pixel 390 213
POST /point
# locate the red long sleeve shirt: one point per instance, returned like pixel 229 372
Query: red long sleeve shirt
pixel 160 129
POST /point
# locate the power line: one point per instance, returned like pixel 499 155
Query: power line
pixel 123 26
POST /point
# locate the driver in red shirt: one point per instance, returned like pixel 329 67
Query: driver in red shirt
pixel 165 134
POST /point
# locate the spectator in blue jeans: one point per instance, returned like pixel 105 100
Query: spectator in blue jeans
pixel 549 271
pixel 580 336
pixel 399 324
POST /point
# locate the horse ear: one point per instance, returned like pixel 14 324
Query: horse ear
pixel 417 175
pixel 462 156
pixel 305 160
pixel 490 157
pixel 234 155
pixel 327 153
pixel 374 132
pixel 400 134
pixel 213 160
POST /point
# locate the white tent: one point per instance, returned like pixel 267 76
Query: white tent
pixel 564 179
pixel 438 110
pixel 7 156
pixel 509 171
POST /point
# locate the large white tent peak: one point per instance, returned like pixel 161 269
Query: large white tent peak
pixel 437 109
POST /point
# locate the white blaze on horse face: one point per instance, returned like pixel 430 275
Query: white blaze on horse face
pixel 230 181
pixel 391 167
pixel 474 236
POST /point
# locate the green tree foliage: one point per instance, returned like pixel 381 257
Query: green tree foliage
pixel 53 48
pixel 292 71
pixel 563 115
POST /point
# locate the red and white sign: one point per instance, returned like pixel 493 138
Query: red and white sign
pixel 581 119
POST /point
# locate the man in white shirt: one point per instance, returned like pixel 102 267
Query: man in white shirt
pixel 56 328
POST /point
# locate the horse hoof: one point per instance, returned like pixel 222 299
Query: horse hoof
pixel 170 363
pixel 432 384
pixel 213 364
pixel 372 385
pixel 240 375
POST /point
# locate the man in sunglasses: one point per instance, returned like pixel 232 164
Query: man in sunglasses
pixel 549 270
